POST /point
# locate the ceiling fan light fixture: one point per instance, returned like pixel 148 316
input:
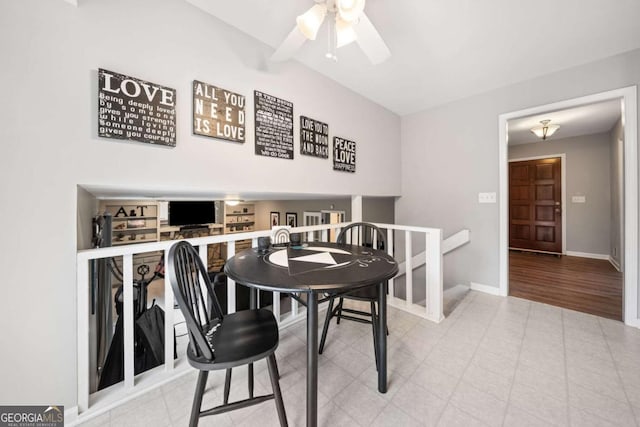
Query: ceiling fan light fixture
pixel 345 33
pixel 545 129
pixel 350 10
pixel 309 22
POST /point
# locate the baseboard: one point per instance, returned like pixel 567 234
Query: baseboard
pixel 491 290
pixel 588 255
pixel 615 264
pixel 70 415
pixel 633 322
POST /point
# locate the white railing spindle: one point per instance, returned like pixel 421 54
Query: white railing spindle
pixel 168 322
pixel 82 277
pixel 231 284
pixel 127 307
pixel 408 254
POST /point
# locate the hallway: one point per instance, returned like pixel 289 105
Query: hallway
pixel 588 285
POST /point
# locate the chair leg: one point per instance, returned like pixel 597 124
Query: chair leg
pixel 227 386
pixel 197 399
pixel 277 369
pixel 275 385
pixel 325 328
pixel 374 327
pixel 339 315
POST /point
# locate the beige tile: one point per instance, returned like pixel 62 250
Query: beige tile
pixel 542 381
pixel 542 405
pixel 495 384
pixel 581 418
pixel 498 363
pixel 332 379
pixel 516 417
pixel 433 379
pixel 601 406
pixel 419 403
pixel 451 363
pixel 360 402
pixel 392 416
pixel 479 404
pixel 102 420
pixel 454 417
pixel 607 383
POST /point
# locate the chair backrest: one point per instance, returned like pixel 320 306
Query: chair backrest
pixel 363 234
pixel 194 295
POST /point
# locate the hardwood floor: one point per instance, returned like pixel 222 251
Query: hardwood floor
pixel 582 284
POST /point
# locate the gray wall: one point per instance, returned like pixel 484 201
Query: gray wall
pixel 587 166
pixel 617 196
pixel 378 209
pixel 52 52
pixel 264 208
pixel 450 153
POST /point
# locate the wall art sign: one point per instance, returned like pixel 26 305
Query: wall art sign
pixel 314 138
pixel 344 154
pixel 217 112
pixel 136 110
pixel 274 126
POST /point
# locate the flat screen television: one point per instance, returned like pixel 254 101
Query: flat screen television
pixel 191 213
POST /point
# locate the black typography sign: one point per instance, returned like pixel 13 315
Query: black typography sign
pixel 274 126
pixel 217 113
pixel 136 110
pixel 344 154
pixel 314 138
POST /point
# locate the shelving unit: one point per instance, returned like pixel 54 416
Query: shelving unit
pixel 133 221
pixel 240 219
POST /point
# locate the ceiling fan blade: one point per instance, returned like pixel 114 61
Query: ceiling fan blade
pixel 289 46
pixel 370 41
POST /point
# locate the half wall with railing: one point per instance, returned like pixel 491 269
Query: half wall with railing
pixel 91 403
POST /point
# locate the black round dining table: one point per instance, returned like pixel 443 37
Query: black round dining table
pixel 313 269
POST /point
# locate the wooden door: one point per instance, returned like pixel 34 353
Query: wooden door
pixel 535 216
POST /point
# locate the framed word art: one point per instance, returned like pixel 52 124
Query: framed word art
pixel 314 138
pixel 344 154
pixel 274 126
pixel 135 110
pixel 218 113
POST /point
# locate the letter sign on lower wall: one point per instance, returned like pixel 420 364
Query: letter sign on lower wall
pixel 344 154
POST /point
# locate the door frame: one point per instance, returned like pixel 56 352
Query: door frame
pixel 563 189
pixel 628 96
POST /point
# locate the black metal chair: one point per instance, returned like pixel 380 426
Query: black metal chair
pixel 361 234
pixel 218 341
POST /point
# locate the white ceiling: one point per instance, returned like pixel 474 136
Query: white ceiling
pixel 447 50
pixel 584 120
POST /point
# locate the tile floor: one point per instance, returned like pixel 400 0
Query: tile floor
pixel 493 362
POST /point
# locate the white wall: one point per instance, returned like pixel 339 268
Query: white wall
pixel 587 166
pixel 51 52
pixel 450 153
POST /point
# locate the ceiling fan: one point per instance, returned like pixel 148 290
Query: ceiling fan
pixel 350 24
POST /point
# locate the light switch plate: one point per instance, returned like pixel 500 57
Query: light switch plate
pixel 486 197
pixel 578 199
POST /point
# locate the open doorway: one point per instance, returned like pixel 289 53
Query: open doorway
pixel 626 100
